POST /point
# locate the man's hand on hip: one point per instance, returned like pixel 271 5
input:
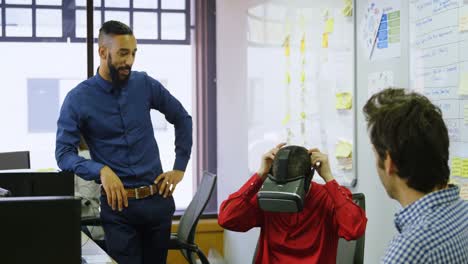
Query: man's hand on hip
pixel 169 181
pixel 115 191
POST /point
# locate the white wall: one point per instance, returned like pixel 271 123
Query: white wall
pixel 232 117
pixel 232 140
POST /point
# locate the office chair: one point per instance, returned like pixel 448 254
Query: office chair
pixel 352 251
pixel 15 160
pixel 184 239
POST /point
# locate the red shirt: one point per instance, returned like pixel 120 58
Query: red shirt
pixel 310 236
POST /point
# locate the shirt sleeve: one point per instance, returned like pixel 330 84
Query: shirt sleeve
pixel 349 217
pixel 67 140
pixel 163 101
pixel 240 212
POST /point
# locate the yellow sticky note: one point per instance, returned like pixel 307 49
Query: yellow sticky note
pixel 463 85
pixel 463 23
pixel 303 115
pixel 456 166
pixel 465 168
pixel 343 149
pixel 347 11
pixel 286 47
pixel 286 119
pixel 464 191
pixel 303 44
pixel 302 77
pixel 325 40
pixel 329 25
pixel 344 101
pixel 348 8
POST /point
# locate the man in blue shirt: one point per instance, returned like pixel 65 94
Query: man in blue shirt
pixel 112 112
pixel 411 145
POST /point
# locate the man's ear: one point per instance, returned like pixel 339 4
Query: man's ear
pixel 389 165
pixel 103 52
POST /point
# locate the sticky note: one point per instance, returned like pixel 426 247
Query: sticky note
pixel 286 119
pixel 463 23
pixel 303 115
pixel 347 11
pixel 286 46
pixel 303 44
pixel 464 191
pixel 329 25
pixel 344 101
pixel 325 40
pixel 465 168
pixel 302 77
pixel 343 149
pixel 456 168
pixel 463 85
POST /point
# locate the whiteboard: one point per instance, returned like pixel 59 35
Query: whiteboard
pixel 293 91
pixel 439 66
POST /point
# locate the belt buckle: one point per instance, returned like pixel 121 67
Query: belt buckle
pixel 137 193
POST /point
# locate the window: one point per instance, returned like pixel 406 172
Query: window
pixel 54 21
pixel 152 24
pixel 44 32
pixel 25 21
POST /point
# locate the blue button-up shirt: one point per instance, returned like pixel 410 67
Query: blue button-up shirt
pixel 116 125
pixel 434 229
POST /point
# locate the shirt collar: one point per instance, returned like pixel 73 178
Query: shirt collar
pixel 408 215
pixel 104 84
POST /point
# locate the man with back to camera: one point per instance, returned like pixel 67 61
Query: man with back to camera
pixel 112 112
pixel 411 147
pixel 309 236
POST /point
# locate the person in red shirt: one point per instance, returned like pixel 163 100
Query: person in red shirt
pixel 309 236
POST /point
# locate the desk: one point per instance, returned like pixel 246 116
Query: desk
pixel 92 253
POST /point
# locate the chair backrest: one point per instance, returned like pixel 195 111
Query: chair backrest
pixel 15 160
pixel 352 252
pixel 348 251
pixel 188 221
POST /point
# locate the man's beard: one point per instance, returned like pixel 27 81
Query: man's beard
pixel 117 82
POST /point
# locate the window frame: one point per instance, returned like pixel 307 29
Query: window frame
pixel 69 8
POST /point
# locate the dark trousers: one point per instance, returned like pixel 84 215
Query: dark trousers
pixel 141 232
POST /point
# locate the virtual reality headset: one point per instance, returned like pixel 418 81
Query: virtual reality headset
pixel 288 182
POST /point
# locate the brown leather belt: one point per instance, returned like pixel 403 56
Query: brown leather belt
pixel 140 192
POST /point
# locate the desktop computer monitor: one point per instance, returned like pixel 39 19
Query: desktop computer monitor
pixel 38 183
pixel 40 230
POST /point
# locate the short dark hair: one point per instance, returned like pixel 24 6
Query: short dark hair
pixel 299 163
pixel 113 27
pixel 411 129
